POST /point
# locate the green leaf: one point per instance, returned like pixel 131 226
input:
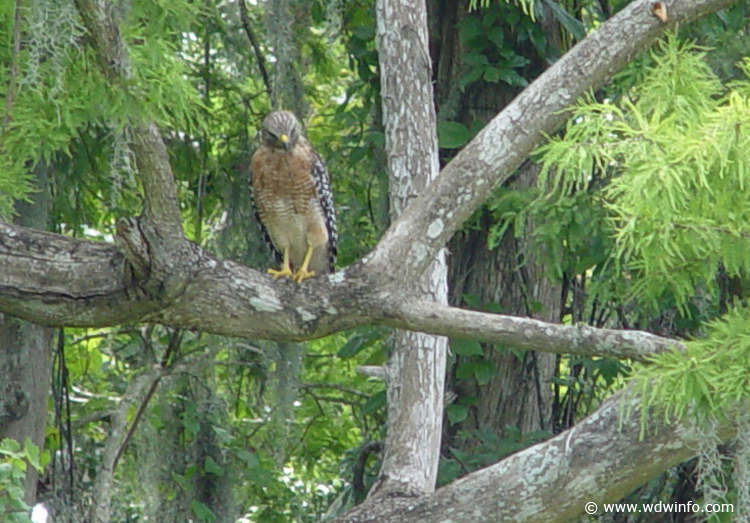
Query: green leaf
pixel 364 32
pixel 452 135
pixel 202 512
pixel 466 347
pixel 358 342
pixel 572 25
pixel 511 77
pixel 181 481
pixel 484 371
pixel 352 346
pixel 471 32
pixel 456 413
pixel 211 467
pixel 250 459
pixel 450 469
pixel 375 403
pixel 32 455
pixel 493 74
pixel 497 36
pixel 10 447
pixel 465 370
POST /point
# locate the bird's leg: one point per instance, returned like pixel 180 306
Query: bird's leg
pixel 302 274
pixel 286 268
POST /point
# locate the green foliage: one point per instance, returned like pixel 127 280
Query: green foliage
pixel 572 16
pixel 14 463
pixel 466 347
pixel 335 409
pixel 194 74
pixel 664 162
pixel 492 53
pixel 64 112
pixel 571 231
pixel 725 33
pixel 360 340
pixel 452 135
pixel 674 154
pixel 202 512
pixel 330 417
pixel 709 379
pixel 566 20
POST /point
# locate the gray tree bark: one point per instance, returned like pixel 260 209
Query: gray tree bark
pixel 25 378
pixel 599 461
pixel 415 372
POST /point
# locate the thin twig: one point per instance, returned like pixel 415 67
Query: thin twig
pixel 138 415
pixel 334 387
pixel 245 18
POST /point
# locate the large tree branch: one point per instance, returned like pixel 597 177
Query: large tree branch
pixel 492 156
pixel 53 280
pixel 600 460
pixel 58 281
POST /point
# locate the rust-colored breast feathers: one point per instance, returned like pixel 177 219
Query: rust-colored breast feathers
pixel 282 184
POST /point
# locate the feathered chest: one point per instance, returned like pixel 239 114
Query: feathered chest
pixel 283 180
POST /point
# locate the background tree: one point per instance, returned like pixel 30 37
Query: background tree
pixel 482 59
pixel 25 354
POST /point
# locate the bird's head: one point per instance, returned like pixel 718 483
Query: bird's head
pixel 281 130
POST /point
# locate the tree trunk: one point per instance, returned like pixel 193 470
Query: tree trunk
pixel 519 393
pixel 26 375
pixel 25 362
pixel 416 367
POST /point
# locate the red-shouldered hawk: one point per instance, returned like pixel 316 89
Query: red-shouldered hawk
pixel 293 200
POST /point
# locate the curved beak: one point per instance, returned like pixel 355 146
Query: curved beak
pixel 284 139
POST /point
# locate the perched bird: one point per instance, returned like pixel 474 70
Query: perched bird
pixel 293 200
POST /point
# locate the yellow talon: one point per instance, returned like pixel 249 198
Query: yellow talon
pixel 284 272
pixel 302 274
pixel 286 268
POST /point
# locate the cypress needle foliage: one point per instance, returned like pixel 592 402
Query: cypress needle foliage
pixel 674 156
pixel 709 379
pixel 669 160
pixel 63 111
pixel 673 152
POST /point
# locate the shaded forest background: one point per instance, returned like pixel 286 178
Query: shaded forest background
pixel 276 432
